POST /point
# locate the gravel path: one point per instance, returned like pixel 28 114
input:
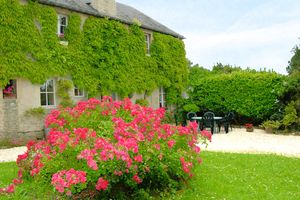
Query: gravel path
pixel 237 140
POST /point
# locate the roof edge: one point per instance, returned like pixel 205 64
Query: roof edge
pixel 98 14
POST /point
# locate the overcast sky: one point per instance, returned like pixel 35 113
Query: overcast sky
pixel 247 33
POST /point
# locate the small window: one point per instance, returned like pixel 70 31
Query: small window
pixel 162 98
pixel 148 42
pixel 10 90
pixel 114 96
pixel 78 92
pixel 47 93
pixel 62 25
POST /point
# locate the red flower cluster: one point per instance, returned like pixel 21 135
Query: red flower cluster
pixel 65 179
pixel 248 126
pixel 102 184
pixel 127 140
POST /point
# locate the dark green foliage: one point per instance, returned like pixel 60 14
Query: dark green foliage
pixel 290 100
pixel 294 64
pixel 250 94
pixel 102 56
pixel 219 68
pixel 142 102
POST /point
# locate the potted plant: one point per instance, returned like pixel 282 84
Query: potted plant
pixel 249 127
pixel 270 126
pixel 9 92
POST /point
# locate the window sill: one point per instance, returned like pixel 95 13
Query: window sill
pixel 49 107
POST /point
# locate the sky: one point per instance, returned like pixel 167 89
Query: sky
pixel 247 33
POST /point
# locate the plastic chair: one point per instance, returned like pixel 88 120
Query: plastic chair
pixel 226 121
pixel 190 115
pixel 208 121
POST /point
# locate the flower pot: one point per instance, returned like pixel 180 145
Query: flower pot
pixel 249 129
pixel 269 130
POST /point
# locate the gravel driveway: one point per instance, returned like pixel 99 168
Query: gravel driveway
pixel 237 140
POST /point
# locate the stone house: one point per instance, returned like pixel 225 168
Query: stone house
pixel 20 95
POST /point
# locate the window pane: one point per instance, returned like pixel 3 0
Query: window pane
pixel 43 88
pixel 43 99
pixel 75 91
pixel 63 21
pixel 80 92
pixel 50 99
pixel 50 86
pixel 62 29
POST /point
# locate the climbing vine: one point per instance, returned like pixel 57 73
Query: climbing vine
pixel 102 55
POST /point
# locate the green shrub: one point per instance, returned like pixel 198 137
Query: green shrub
pixel 290 115
pixel 249 94
pixel 191 108
pixel 142 102
pixel 271 124
pixel 37 112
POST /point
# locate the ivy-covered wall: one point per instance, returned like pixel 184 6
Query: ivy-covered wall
pixel 104 56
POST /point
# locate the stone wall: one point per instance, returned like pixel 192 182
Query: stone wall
pixel 1 115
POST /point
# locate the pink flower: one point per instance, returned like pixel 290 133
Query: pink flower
pixel 138 158
pixel 160 156
pixel 157 146
pixel 137 179
pixel 206 134
pixel 118 173
pixel 10 188
pixel 102 184
pixel 171 143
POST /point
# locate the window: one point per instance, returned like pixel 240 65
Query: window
pixel 114 96
pixel 10 90
pixel 47 93
pixel 162 98
pixel 62 25
pixel 148 42
pixel 78 92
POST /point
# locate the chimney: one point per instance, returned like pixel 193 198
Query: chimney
pixel 105 6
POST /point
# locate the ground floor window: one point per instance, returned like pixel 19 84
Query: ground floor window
pixel 10 90
pixel 47 93
pixel 78 92
pixel 162 98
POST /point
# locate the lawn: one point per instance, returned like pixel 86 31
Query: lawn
pixel 221 176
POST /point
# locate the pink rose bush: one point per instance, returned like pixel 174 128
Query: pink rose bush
pixel 102 145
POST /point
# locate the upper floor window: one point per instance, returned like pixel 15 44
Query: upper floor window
pixel 62 25
pixel 10 90
pixel 162 98
pixel 47 93
pixel 78 92
pixel 148 42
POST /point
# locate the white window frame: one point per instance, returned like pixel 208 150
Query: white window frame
pixel 59 25
pixel 46 92
pixel 162 98
pixel 148 42
pixel 78 92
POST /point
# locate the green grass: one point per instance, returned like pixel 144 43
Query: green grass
pixel 245 176
pixel 220 176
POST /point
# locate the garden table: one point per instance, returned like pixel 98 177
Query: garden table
pixel 198 119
